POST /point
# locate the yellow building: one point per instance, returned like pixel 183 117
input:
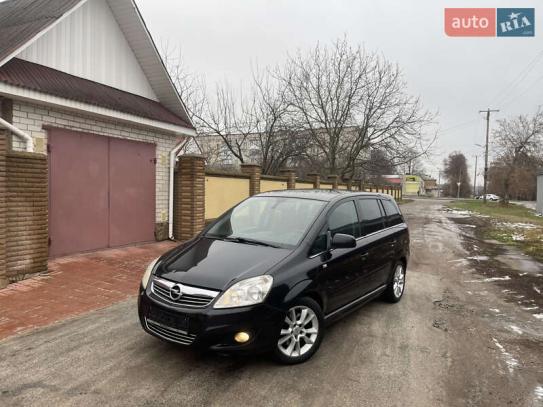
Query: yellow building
pixel 413 185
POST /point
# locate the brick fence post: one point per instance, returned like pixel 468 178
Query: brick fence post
pixel 254 171
pixel 316 178
pixel 349 182
pixel 335 180
pixel 291 177
pixel 3 209
pixel 189 197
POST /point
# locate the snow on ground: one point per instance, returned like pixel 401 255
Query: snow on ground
pixel 516 329
pixel 518 225
pixel 489 279
pixel 511 362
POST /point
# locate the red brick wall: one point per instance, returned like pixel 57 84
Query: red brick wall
pixel 26 217
pixel 189 197
pixel 3 209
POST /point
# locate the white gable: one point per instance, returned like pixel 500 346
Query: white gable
pixel 90 44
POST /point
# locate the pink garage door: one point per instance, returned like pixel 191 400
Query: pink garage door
pixel 101 192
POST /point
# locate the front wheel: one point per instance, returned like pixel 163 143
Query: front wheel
pixel 301 332
pixel 396 287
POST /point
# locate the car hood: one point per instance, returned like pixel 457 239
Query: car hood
pixel 214 264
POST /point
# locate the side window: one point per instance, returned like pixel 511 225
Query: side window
pixel 344 219
pixel 372 218
pixel 393 216
pixel 319 245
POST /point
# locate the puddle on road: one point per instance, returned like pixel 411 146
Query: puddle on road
pixel 520 276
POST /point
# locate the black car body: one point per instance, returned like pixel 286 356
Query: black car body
pixel 347 256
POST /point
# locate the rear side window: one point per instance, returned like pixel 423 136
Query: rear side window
pixel 344 219
pixel 372 218
pixel 393 216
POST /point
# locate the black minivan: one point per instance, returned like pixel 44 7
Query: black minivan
pixel 273 271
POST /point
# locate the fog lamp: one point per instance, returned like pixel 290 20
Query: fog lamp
pixel 242 337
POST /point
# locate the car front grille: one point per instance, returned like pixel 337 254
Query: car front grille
pixel 192 297
pixel 168 333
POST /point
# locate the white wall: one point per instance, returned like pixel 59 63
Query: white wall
pixel 90 44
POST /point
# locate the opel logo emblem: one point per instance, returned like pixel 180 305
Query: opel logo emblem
pixel 175 292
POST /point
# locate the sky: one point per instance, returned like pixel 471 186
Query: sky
pixel 454 77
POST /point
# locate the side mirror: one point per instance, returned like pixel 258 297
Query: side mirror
pixel 341 241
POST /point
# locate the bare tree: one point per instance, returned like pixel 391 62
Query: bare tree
pixel 517 141
pixel 254 125
pixel 351 101
pixel 456 172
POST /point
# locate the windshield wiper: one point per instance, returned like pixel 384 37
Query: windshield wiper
pixel 238 239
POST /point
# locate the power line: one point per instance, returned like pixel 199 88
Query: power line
pixel 522 74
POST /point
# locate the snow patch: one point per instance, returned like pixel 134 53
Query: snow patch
pixel 530 308
pixel 537 290
pixel 511 362
pixel 489 279
pixel 518 225
pixel 539 392
pixel 494 310
pixel 478 258
pixel 516 329
pixel 538 316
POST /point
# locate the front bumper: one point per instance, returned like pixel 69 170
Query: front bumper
pixel 211 328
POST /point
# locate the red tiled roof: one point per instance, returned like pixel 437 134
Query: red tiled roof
pixel 43 79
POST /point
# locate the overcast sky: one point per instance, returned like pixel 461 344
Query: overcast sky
pixel 453 76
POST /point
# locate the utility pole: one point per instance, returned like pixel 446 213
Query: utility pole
pixel 475 179
pixel 487 111
pixel 439 184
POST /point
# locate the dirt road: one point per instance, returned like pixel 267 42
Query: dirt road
pixel 459 337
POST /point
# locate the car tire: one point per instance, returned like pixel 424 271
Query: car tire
pixel 396 287
pixel 298 340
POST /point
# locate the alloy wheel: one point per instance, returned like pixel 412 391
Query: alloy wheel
pixel 299 332
pixel 398 283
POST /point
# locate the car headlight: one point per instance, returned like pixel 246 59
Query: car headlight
pixel 246 292
pixel 148 272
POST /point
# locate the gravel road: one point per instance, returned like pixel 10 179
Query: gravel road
pixel 458 338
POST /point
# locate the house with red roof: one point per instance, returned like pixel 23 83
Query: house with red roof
pixel 82 83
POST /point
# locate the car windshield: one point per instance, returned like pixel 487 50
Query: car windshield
pixel 273 221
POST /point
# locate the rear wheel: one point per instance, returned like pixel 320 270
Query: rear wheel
pixel 396 287
pixel 301 332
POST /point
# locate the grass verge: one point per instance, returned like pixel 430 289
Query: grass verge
pixel 511 224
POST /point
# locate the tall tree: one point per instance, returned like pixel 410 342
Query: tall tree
pixel 518 141
pixel 455 169
pixel 351 101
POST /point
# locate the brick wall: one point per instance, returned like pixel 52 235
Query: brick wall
pixel 26 218
pixel 189 197
pixel 191 192
pixel 3 208
pixel 31 118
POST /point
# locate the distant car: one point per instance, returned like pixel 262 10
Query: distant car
pixel 489 197
pixel 273 271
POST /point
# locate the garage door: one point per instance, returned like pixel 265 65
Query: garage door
pixel 101 192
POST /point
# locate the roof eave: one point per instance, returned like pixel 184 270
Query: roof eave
pixel 33 96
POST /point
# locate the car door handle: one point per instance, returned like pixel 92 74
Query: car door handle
pixel 364 256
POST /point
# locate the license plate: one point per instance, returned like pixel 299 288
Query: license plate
pixel 177 321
